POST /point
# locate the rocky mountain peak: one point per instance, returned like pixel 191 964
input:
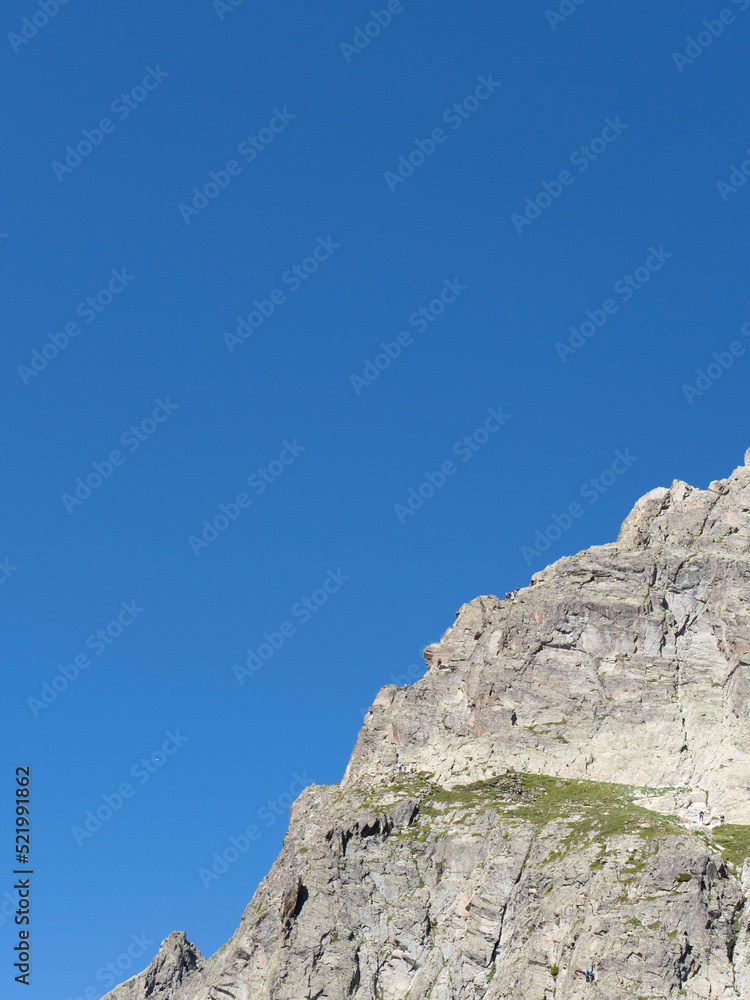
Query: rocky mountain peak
pixel 629 662
pixel 176 963
pixel 564 794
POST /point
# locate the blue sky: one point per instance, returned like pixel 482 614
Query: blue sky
pixel 270 524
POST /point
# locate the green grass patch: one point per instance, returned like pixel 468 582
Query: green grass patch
pixel 734 841
pixel 592 812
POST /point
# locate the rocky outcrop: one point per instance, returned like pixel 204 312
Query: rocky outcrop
pixel 575 749
pixel 175 964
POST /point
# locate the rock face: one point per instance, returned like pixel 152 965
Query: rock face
pixel 175 964
pixel 575 749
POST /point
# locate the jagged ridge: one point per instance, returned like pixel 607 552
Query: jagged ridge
pixel 575 747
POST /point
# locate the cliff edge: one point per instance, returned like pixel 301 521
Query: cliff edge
pixel 579 799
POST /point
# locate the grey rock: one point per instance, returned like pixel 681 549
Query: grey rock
pixel 566 743
pixel 175 964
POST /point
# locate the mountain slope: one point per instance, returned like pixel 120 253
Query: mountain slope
pixel 575 748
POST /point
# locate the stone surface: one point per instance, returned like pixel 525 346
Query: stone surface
pixel 174 966
pixel 575 748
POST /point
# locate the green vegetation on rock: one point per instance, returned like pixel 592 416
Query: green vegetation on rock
pixel 734 842
pixel 591 811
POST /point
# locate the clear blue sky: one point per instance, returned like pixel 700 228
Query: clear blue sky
pixel 305 139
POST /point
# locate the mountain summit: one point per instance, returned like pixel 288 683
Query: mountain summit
pixel 559 808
